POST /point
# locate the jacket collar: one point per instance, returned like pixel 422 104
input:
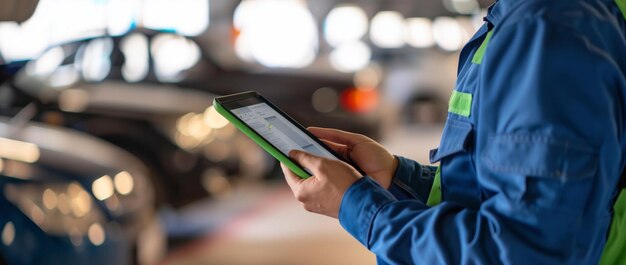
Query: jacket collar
pixel 501 8
pixel 498 10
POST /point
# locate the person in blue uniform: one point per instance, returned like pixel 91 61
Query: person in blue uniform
pixel 529 160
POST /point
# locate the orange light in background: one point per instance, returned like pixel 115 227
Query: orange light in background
pixel 359 100
pixel 234 34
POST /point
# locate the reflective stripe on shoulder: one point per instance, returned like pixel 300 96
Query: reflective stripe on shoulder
pixel 478 56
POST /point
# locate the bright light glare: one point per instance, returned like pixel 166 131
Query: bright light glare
pixel 243 48
pixel 193 129
pixel 244 13
pixel 64 76
pixel 18 150
pixel 22 42
pixel 124 182
pixel 345 23
pixel 64 23
pixel 186 142
pixel 280 33
pixel 387 29
pixel 47 63
pixel 213 119
pixel 447 33
pixel 80 202
pixel 96 60
pixel 54 21
pixel 120 16
pixel 172 55
pixel 183 123
pixel 136 63
pixel 419 32
pixel 96 234
pixel 102 188
pixel 350 57
pixel 189 17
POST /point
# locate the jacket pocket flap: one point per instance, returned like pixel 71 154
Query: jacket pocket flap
pixel 453 139
pixel 539 156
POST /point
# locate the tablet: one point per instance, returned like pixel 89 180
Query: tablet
pixel 271 128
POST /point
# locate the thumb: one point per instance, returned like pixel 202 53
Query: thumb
pixel 305 159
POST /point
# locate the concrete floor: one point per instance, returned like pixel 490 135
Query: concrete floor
pixel 277 231
pixel 273 229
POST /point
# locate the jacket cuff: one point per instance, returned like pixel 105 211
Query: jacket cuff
pixel 359 207
pixel 412 181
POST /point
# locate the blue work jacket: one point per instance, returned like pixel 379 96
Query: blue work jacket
pixel 531 151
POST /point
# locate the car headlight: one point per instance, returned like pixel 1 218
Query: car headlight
pixel 59 209
pixel 122 193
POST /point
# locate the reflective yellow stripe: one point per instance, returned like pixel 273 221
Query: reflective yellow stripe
pixel 434 197
pixel 614 252
pixel 460 103
pixel 478 56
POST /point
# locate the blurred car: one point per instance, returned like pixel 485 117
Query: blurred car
pixel 69 198
pixel 190 151
pixel 313 97
pixel 167 129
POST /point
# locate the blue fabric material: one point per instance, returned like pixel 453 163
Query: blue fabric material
pixel 412 181
pixel 531 175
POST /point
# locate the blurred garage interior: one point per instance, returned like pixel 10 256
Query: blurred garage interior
pixel 110 150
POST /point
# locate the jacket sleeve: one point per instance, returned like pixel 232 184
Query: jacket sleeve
pixel 547 151
pixel 412 181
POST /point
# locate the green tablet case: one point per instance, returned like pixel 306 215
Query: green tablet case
pixel 260 141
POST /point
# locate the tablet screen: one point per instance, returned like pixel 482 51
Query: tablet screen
pixel 279 131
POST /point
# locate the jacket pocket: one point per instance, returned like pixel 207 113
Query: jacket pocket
pixel 541 172
pixel 540 156
pixel 453 140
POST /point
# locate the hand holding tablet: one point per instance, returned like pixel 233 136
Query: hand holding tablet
pixel 280 135
pixel 272 129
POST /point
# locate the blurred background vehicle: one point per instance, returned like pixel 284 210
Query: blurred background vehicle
pixel 69 198
pixel 128 86
pixel 171 129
